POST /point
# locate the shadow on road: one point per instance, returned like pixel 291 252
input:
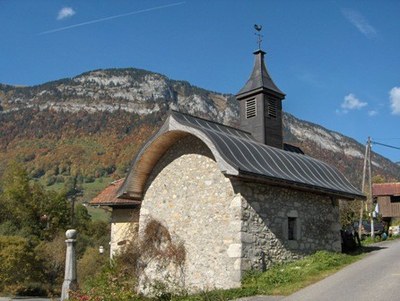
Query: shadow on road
pixel 366 249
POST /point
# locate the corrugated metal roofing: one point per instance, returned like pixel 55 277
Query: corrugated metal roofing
pixel 386 189
pixel 238 154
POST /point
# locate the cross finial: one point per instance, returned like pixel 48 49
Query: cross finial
pixel 258 34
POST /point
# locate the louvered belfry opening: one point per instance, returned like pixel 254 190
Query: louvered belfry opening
pixel 251 109
pixel 272 108
pixel 261 105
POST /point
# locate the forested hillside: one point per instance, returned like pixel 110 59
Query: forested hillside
pixel 90 127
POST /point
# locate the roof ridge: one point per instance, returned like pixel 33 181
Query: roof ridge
pixel 211 121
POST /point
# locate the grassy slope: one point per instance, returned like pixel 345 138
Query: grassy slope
pixel 283 279
pixel 90 191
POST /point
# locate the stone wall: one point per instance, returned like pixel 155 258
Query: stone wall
pixel 227 225
pixel 190 196
pixel 265 227
pixel 124 226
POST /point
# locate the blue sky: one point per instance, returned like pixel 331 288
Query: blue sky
pixel 337 61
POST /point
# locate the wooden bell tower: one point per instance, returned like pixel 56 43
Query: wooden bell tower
pixel 261 105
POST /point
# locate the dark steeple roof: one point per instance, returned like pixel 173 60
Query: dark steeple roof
pixel 259 79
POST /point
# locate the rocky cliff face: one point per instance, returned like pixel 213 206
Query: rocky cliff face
pixel 107 114
pixel 131 90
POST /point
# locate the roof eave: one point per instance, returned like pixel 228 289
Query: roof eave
pixel 299 186
pixel 117 204
pixel 255 91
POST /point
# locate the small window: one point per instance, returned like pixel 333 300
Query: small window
pixel 251 108
pixel 272 108
pixel 395 198
pixel 291 228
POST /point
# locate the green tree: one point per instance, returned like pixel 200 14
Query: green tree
pixel 378 179
pixel 15 186
pixel 82 218
pixel 17 262
pixel 29 208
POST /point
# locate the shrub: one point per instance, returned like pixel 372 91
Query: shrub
pixel 51 256
pixel 112 283
pixel 120 280
pixel 90 265
pixel 157 251
pixel 27 289
pixel 17 263
pixel 51 180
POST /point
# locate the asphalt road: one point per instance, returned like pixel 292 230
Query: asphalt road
pixel 374 278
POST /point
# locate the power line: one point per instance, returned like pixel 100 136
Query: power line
pixel 387 138
pixel 385 145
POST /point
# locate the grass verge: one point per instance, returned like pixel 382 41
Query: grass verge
pixel 283 279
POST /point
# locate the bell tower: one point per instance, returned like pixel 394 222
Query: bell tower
pixel 261 104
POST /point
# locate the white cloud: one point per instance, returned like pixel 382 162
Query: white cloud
pixel 372 113
pixel 351 102
pixel 395 100
pixel 359 21
pixel 65 12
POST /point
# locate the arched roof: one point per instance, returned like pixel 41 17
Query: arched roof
pixel 237 155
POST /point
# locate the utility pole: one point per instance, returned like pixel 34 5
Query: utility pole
pixel 370 190
pixel 363 188
pixel 367 163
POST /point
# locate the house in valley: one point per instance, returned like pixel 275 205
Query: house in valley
pixel 387 196
pixel 236 198
pixel 124 216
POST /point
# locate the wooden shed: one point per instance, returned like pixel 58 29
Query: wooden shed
pixel 388 199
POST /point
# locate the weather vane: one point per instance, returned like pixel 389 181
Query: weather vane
pixel 258 34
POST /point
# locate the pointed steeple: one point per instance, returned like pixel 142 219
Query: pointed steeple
pixel 259 78
pixel 261 105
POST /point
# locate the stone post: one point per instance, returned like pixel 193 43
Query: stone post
pixel 70 283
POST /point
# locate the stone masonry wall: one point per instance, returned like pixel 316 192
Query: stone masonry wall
pixel 266 211
pixel 190 196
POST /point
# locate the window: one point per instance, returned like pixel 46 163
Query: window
pixel 291 228
pixel 395 198
pixel 251 108
pixel 272 107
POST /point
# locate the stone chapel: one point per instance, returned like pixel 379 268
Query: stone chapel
pixel 237 198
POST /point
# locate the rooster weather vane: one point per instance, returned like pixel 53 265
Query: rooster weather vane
pixel 258 34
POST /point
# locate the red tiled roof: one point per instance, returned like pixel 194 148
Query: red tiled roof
pixel 108 197
pixel 386 189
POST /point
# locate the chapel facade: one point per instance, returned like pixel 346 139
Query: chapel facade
pixel 236 199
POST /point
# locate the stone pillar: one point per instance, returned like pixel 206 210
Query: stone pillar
pixel 70 283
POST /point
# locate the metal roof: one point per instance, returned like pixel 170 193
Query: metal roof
pixel 259 78
pixel 239 155
pixel 383 189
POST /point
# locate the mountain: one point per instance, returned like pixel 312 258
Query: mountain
pixel 93 124
pixel 343 152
